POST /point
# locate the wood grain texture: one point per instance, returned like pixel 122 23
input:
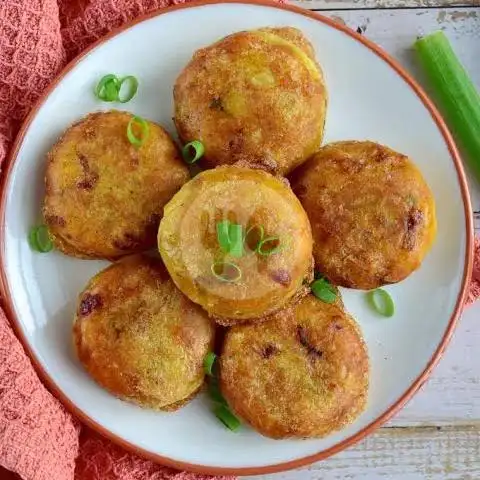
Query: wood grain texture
pixel 382 4
pixel 443 453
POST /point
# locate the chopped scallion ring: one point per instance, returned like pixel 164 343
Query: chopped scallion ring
pixel 254 236
pixel 132 83
pixel 382 302
pixel 107 88
pixel 324 290
pixel 223 235
pixel 226 272
pixel 224 414
pixel 208 362
pixel 214 391
pixel 269 246
pixel 193 151
pixel 39 239
pixel 235 233
pixel 144 128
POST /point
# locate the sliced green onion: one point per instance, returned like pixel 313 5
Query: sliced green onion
pixel 253 237
pixel 143 125
pixel 107 88
pixel 193 151
pixel 456 93
pixel 39 239
pixel 224 414
pixel 32 239
pixel 269 246
pixel 132 83
pixel 226 272
pixel 324 290
pixel 223 235
pixel 235 233
pixel 214 391
pixel 382 302
pixel 208 362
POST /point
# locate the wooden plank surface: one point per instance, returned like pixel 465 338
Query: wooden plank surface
pixel 449 453
pixel 437 435
pixel 381 4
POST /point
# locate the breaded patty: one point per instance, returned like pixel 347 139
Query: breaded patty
pixel 302 375
pixel 371 211
pixel 189 245
pixel 139 337
pixel 104 197
pixel 256 97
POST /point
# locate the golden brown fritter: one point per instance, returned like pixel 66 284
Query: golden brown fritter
pixel 139 337
pixel 104 197
pixel 302 375
pixel 256 97
pixel 188 243
pixel 372 214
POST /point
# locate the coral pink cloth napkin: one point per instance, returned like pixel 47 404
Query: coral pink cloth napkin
pixel 39 440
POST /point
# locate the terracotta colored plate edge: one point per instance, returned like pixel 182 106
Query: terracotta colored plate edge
pixel 5 293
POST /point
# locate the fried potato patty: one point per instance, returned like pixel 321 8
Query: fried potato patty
pixel 139 337
pixel 104 197
pixel 371 211
pixel 256 97
pixel 189 246
pixel 302 375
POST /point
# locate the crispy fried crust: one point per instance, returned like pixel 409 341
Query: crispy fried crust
pixel 139 337
pixel 302 375
pixel 371 211
pixel 104 197
pixel 188 243
pixel 256 96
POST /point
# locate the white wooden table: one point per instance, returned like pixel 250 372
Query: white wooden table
pixel 437 435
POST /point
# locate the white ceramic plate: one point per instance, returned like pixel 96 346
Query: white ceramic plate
pixel 370 98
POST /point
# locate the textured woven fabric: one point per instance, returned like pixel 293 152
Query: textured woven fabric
pixel 474 293
pixel 39 440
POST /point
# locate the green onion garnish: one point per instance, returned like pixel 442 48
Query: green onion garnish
pixel 324 290
pixel 381 301
pixel 214 391
pixel 235 233
pixel 226 272
pixel 253 237
pixel 223 235
pixel 109 87
pixel 456 93
pixel 39 239
pixel 143 125
pixel 230 237
pixel 193 151
pixel 224 414
pixel 269 246
pixel 208 362
pixel 132 83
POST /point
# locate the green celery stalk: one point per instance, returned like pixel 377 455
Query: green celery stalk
pixel 455 93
